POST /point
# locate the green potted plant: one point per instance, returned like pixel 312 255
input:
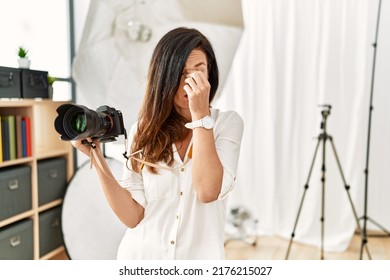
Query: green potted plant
pixel 23 60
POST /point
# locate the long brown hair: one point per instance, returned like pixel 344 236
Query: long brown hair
pixel 159 123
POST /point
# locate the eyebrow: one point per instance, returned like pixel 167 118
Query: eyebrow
pixel 199 64
pixel 196 65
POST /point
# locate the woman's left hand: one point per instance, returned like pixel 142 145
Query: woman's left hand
pixel 197 88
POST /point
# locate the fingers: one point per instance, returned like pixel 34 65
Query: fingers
pixel 197 88
pixel 76 143
pixel 196 77
pixel 187 89
pixel 85 148
pixel 196 82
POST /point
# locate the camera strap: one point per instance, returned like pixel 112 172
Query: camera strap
pixel 155 165
pixel 95 159
pixel 144 162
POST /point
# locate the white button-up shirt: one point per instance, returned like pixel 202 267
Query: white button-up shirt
pixel 176 225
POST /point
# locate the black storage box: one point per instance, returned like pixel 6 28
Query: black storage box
pixel 23 83
pixel 16 241
pixel 15 190
pixel 34 84
pixel 10 83
pixel 50 232
pixel 51 179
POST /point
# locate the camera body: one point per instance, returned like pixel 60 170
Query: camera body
pixel 77 122
pixel 116 120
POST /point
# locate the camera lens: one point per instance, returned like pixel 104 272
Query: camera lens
pixel 73 121
pixel 79 122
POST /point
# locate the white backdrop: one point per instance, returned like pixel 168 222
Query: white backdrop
pixel 293 56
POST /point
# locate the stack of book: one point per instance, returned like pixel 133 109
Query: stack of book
pixel 15 137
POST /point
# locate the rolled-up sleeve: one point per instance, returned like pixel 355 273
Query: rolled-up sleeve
pixel 131 180
pixel 133 183
pixel 228 142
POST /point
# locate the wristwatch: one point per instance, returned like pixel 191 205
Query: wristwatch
pixel 206 122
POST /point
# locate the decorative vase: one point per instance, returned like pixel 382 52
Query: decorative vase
pixel 24 63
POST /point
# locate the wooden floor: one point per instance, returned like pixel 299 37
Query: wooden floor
pixel 275 248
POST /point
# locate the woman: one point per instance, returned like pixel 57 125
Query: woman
pixel 184 157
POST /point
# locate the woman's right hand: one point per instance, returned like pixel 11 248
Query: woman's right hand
pixel 86 149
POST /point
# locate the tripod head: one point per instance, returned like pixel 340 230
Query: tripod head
pixel 325 113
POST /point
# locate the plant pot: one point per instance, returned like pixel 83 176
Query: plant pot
pixel 51 91
pixel 24 63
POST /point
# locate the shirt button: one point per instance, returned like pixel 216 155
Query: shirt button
pixel 182 169
pixel 181 193
pixel 177 217
pixel 173 242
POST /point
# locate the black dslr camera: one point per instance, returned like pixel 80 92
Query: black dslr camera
pixel 75 122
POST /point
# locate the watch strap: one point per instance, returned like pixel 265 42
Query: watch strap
pixel 194 124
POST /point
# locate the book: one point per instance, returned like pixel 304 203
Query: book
pixel 1 143
pixel 12 137
pixel 18 126
pixel 5 134
pixel 28 136
pixel 24 140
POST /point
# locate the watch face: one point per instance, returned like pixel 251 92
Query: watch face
pixel 208 122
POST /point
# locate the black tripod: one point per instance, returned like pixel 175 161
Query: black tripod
pixel 322 138
pixel 365 217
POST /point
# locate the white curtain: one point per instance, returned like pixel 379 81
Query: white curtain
pixel 295 55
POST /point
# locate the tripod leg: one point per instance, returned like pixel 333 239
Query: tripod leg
pixel 364 232
pixel 302 199
pixel 323 180
pixel 347 187
pixel 379 226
